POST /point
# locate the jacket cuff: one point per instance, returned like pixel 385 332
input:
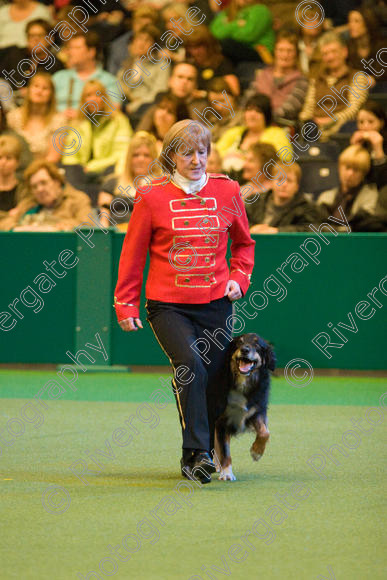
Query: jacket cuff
pixel 242 278
pixel 125 310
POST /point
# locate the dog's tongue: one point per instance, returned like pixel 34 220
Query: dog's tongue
pixel 245 367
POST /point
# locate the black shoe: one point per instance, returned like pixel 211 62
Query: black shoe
pixel 199 467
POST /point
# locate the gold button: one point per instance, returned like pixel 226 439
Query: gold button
pixel 207 260
pixel 207 279
pixel 183 203
pixel 207 240
pixel 186 280
pixel 186 223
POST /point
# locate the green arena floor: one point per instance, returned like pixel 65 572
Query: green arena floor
pixel 126 513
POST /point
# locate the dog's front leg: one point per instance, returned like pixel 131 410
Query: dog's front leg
pixel 262 437
pixel 222 445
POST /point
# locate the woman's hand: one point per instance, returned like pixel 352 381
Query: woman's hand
pixel 263 229
pixel 233 290
pixel 130 324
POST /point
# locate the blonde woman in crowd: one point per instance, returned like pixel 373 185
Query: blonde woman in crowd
pixel 37 119
pixel 118 191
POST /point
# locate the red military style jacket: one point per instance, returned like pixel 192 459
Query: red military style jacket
pixel 187 236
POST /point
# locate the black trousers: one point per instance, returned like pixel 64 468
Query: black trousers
pixel 198 390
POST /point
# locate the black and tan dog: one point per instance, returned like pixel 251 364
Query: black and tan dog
pixel 247 394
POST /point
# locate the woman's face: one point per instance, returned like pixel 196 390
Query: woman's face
pixel 44 188
pixel 285 54
pixel 255 120
pixel 367 121
pixel 39 91
pixel 252 166
pixel 356 25
pixel 165 115
pixel 284 192
pixel 8 164
pixel 193 164
pixel 90 94
pixel 141 159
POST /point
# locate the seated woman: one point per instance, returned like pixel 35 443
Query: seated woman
pixel 117 192
pixel 164 114
pixel 252 176
pixel 52 204
pixel 353 197
pixel 245 30
pixel 284 208
pixel 283 82
pixel 13 19
pixel 257 128
pixel 372 135
pixel 25 153
pixel 365 38
pixel 37 119
pixel 10 188
pixel 204 51
pixel 104 140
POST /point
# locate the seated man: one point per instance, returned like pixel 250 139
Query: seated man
pixel 82 67
pixel 333 98
pixel 357 199
pixel 284 208
pixel 52 205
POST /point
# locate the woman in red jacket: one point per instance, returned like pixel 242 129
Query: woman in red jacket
pixel 184 220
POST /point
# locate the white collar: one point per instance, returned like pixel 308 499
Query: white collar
pixel 188 185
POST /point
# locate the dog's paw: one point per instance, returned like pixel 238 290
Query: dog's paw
pixel 256 456
pixel 226 474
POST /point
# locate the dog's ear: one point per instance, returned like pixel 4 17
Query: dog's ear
pixel 269 357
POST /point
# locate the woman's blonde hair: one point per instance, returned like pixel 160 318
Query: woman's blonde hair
pixel 98 86
pixel 51 105
pixel 128 178
pixel 357 157
pixel 182 137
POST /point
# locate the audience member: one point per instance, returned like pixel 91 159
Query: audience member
pixel 53 205
pixel 172 13
pixel 283 82
pixel 308 44
pixel 372 135
pixel 204 51
pixel 37 119
pixel 36 31
pixel 25 155
pixel 117 192
pixel 257 128
pixel 283 208
pixel 10 188
pixel 365 38
pixel 357 199
pixel 117 51
pixel 334 74
pixel 253 178
pixel 165 113
pixel 142 95
pixel 245 30
pixel 104 139
pixel 82 65
pixel 13 19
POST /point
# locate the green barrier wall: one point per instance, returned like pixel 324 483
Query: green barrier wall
pixel 80 304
